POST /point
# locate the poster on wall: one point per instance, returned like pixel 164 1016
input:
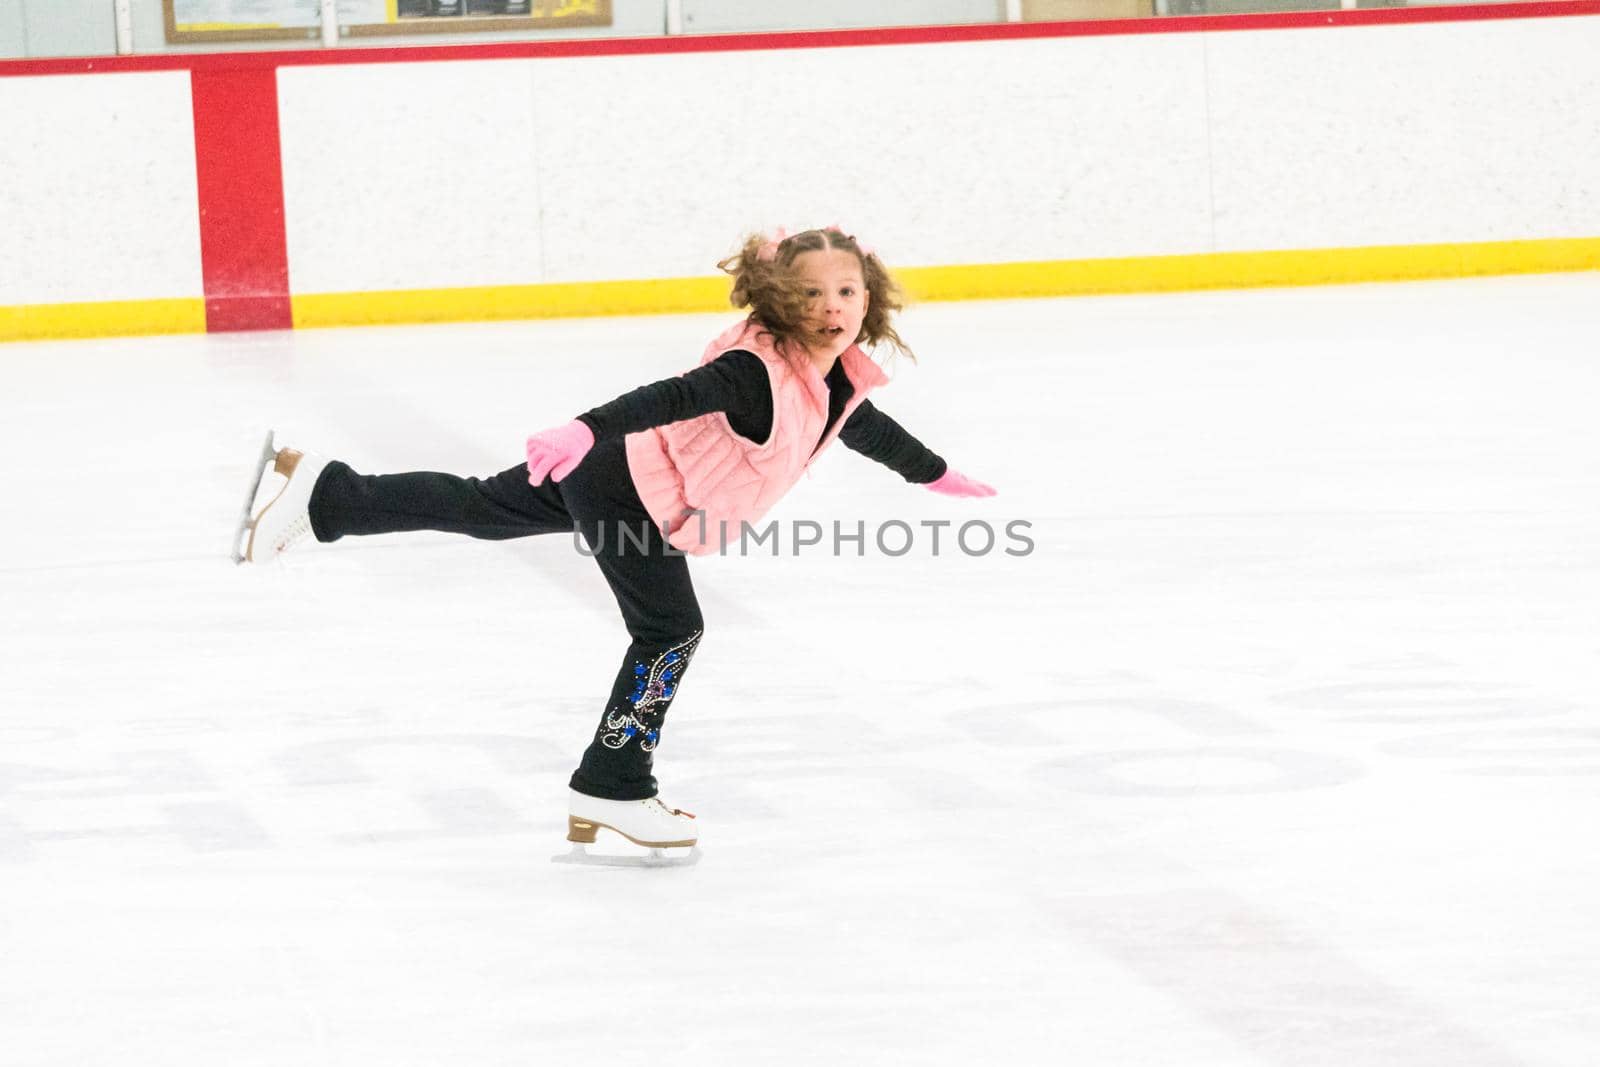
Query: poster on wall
pixel 268 20
pixel 425 9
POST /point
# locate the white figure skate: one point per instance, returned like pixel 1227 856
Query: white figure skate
pixel 668 834
pixel 286 520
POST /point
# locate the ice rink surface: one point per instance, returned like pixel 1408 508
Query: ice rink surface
pixel 1282 746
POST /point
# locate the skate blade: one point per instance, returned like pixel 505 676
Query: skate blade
pixel 243 531
pixel 656 857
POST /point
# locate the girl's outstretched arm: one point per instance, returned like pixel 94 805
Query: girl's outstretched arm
pixel 878 437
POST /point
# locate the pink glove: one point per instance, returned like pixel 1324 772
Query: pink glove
pixel 558 452
pixel 954 483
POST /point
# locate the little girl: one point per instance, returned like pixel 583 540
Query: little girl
pixel 672 468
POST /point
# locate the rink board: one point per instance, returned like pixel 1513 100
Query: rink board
pixel 607 177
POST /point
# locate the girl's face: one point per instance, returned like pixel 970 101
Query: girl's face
pixel 837 300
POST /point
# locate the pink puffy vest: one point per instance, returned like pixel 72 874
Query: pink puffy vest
pixel 701 464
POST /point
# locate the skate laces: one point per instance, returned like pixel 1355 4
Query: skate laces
pixel 293 535
pixel 670 811
pixel 298 526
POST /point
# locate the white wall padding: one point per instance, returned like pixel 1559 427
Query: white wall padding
pixel 97 189
pixel 409 175
pixel 428 175
pixel 950 153
pixel 1466 131
pixel 508 172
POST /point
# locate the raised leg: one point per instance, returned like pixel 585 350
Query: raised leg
pixel 346 503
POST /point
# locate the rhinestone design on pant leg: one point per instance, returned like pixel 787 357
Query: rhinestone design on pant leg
pixel 654 684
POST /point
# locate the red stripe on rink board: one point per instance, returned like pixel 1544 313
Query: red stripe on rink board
pixel 244 260
pixel 740 42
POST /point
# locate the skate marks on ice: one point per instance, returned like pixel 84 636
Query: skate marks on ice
pixel 360 760
pixel 1428 700
pixel 790 791
pixel 1070 725
pixel 1273 988
pixel 203 790
pixel 1499 739
pixel 1060 720
pixel 143 800
pixel 1323 735
pixel 475 784
pixel 201 827
pixel 155 785
pixel 889 764
pixel 1198 772
pixel 215 797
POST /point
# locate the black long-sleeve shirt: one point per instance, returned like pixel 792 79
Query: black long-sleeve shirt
pixel 736 383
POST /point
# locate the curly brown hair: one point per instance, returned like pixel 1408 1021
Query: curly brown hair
pixel 776 296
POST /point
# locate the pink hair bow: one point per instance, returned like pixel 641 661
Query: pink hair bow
pixel 769 251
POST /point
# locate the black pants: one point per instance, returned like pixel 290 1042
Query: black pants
pixel 597 499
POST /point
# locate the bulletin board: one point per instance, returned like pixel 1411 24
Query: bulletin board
pixel 223 21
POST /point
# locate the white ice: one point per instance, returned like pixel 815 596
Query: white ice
pixel 1281 747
